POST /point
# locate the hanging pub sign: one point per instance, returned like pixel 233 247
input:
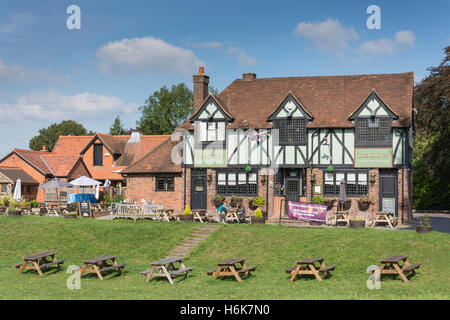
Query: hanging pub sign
pixel 373 157
pixel 307 212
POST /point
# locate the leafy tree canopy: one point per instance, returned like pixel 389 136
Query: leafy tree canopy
pixel 431 175
pixel 117 128
pixel 48 136
pixel 165 110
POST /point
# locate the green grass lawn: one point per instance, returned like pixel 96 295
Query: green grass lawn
pixel 270 248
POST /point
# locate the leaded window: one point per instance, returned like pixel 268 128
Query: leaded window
pixel 237 182
pixel 373 132
pixel 356 183
pixel 291 131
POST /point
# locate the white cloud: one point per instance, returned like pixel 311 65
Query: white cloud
pixel 405 37
pixel 329 35
pixel 54 106
pixel 148 54
pixel 386 46
pixel 15 72
pixel 242 57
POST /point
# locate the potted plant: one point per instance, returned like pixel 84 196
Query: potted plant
pixel 258 218
pixel 187 215
pixel 70 215
pixel 235 201
pixel 34 207
pixel 357 223
pixel 424 225
pixel 318 199
pixel 218 199
pixel 329 202
pixel 13 211
pixel 364 203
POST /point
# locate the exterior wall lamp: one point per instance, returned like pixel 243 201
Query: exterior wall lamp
pixel 372 178
pixel 313 177
pixel 263 179
pixel 209 177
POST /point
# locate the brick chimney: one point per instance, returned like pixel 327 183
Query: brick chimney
pixel 201 81
pixel 249 76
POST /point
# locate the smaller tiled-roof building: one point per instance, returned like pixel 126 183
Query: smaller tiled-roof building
pixel 157 177
pixel 9 177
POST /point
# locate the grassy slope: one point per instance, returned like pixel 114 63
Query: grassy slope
pixel 270 248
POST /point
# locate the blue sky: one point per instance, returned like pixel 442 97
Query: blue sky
pixel 126 50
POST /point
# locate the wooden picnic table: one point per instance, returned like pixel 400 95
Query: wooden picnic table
pixel 100 265
pixel 166 268
pixel 384 217
pixel 308 266
pixel 231 216
pixel 232 267
pixel 200 215
pixel 342 216
pixel 166 214
pixel 39 262
pixel 398 265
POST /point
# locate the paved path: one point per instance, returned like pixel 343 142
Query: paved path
pixel 439 221
pixel 199 234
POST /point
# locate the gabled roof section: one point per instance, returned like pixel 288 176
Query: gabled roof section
pixel 298 110
pixel 133 151
pixel 61 165
pixel 157 161
pixel 219 105
pixel 331 99
pixel 114 144
pixel 33 158
pixel 371 107
pixel 71 144
pixel 13 173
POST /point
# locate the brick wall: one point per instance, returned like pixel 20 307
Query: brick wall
pixel 142 186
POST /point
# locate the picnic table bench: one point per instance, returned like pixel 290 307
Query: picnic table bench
pixel 232 267
pixel 166 268
pixel 166 214
pixel 39 262
pixel 232 216
pixel 398 265
pixel 385 217
pixel 100 265
pixel 308 266
pixel 201 215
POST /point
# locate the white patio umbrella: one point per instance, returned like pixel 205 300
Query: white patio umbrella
pixel 84 181
pixel 97 192
pixel 18 190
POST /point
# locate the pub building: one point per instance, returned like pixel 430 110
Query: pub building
pixel 292 138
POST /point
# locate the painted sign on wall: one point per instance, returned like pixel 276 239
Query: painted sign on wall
pixel 373 157
pixel 307 212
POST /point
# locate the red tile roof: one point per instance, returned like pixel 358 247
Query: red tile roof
pixel 157 161
pixel 71 144
pixel 61 165
pixel 13 173
pixel 329 99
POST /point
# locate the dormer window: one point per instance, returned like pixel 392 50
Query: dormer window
pixel 98 154
pixel 210 131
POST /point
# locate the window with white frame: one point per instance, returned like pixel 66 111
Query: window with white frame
pixel 356 183
pixel 210 131
pixel 237 182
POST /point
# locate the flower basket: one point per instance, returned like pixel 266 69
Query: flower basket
pixel 235 201
pixel 424 229
pixel 329 203
pixel 218 200
pixel 363 206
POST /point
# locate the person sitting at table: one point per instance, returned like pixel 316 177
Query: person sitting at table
pixel 241 212
pixel 223 210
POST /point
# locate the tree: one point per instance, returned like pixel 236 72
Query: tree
pixel 431 175
pixel 117 128
pixel 48 136
pixel 166 109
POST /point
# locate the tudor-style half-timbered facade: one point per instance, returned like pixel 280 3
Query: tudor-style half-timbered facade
pixel 288 139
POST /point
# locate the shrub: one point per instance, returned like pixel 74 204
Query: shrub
pixel 24 204
pixel 118 198
pixel 12 209
pixel 364 199
pixel 14 203
pixel 5 201
pixel 34 204
pixel 317 199
pixel 425 221
pixel 187 210
pixel 258 214
pixel 258 202
pixel 105 198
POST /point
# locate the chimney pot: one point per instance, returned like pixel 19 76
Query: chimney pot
pixel 201 70
pixel 249 76
pixel 44 148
